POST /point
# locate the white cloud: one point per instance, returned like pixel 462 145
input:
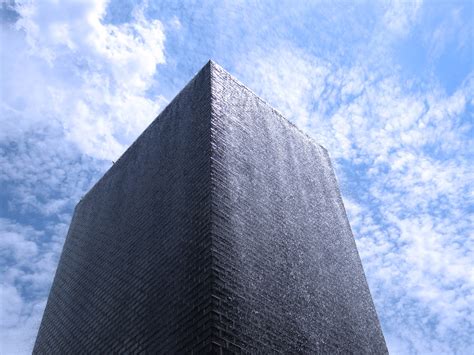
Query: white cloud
pixel 400 15
pixel 29 258
pixel 87 76
pixel 175 23
pixel 19 321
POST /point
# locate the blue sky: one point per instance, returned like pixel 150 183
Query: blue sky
pixel 386 86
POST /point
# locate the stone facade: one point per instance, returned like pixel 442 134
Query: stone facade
pixel 220 230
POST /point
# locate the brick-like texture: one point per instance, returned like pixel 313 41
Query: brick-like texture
pixel 288 278
pixel 220 230
pixel 135 272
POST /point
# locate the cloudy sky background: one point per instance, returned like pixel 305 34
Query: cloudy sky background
pixel 386 86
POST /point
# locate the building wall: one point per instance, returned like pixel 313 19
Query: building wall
pixel 135 273
pixel 289 278
pixel 220 230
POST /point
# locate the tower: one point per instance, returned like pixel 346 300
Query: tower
pixel 220 230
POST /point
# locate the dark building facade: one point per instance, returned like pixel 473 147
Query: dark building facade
pixel 220 230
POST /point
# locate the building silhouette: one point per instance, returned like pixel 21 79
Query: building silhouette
pixel 220 230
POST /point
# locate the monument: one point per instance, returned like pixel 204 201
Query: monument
pixel 220 230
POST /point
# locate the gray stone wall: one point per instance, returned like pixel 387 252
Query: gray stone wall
pixel 288 275
pixel 220 230
pixel 134 275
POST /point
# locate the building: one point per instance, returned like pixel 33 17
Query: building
pixel 220 230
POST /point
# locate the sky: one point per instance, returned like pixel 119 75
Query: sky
pixel 386 86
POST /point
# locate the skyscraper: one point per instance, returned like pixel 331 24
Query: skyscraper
pixel 220 230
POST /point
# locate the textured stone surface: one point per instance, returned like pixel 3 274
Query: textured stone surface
pixel 220 230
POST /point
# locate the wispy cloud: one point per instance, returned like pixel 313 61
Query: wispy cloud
pixel 400 16
pixel 28 259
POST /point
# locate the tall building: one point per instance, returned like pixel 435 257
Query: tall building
pixel 220 230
